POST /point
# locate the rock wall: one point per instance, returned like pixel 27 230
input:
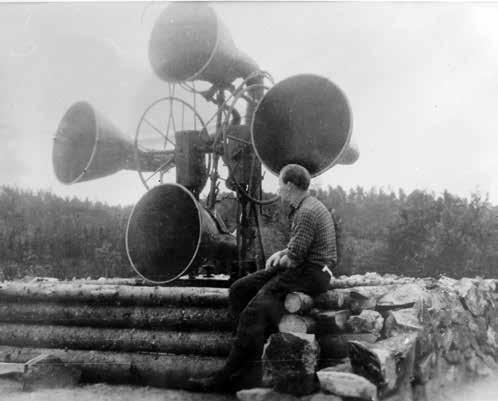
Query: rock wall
pixel 408 337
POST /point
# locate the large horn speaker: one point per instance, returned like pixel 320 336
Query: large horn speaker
pixel 87 146
pixel 306 120
pixel 169 231
pixel 189 42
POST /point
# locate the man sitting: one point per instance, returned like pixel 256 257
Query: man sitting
pixel 258 299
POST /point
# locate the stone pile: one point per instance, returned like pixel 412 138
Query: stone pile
pixel 383 337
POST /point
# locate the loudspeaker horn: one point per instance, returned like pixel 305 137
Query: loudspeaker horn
pixel 88 146
pixel 305 119
pixel 189 42
pixel 169 231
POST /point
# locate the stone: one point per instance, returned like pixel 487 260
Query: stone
pixel 335 346
pixel 404 296
pixel 471 296
pixel 368 321
pixel 48 371
pixel 404 393
pixel 400 321
pixel 387 363
pixel 343 365
pixel 289 362
pixel 322 397
pixel 330 322
pixel 347 385
pixel 264 394
pixel 425 368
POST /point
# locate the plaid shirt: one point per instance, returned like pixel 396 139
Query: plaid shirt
pixel 312 234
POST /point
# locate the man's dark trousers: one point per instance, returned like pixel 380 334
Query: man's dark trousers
pixel 258 301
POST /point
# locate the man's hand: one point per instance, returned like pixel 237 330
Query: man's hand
pixel 287 262
pixel 273 260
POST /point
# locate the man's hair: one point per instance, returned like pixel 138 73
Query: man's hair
pixel 296 174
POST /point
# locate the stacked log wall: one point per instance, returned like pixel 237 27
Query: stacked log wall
pixel 117 331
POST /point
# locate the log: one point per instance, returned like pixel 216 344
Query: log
pixel 330 322
pixel 298 302
pixel 363 297
pixel 333 299
pixel 145 369
pixel 156 317
pixel 215 281
pixel 114 294
pixel 48 371
pixel 291 323
pixel 335 346
pixel 131 340
pixel 387 363
pixel 11 370
pixel 368 279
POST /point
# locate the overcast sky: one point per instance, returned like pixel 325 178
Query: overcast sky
pixel 421 78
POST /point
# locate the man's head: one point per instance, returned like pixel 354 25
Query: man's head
pixel 293 181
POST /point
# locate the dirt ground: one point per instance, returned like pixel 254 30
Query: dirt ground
pixel 484 390
pixel 11 391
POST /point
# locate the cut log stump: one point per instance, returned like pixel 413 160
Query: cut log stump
pixel 292 323
pixel 298 302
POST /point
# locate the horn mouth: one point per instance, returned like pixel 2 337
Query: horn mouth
pixel 183 41
pixel 305 119
pixel 163 234
pixel 75 143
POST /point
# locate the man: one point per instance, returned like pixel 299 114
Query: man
pixel 258 299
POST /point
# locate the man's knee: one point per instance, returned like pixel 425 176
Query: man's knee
pixel 236 290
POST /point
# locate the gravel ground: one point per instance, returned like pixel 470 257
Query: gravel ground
pixel 485 390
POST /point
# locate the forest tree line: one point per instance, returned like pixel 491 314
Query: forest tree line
pixel 417 234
